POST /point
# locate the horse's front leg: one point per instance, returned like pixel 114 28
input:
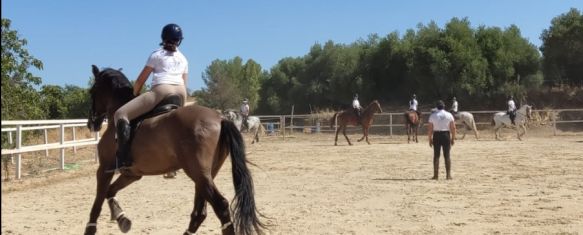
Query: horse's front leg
pixel 366 135
pixel 117 213
pixel 363 134
pixel 408 133
pixel 416 132
pixel 103 181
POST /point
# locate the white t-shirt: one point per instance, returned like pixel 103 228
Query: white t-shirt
pixel 441 120
pixel 168 67
pixel 355 104
pixel 511 105
pixel 454 106
pixel 413 104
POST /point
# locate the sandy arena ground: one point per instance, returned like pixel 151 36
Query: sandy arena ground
pixel 305 185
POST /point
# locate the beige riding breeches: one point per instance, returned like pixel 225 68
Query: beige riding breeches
pixel 147 101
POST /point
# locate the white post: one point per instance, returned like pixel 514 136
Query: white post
pixel 291 122
pixel 74 140
pixel 18 156
pixel 391 125
pixel 62 148
pixel 555 115
pixel 10 143
pixel 46 142
pixel 282 125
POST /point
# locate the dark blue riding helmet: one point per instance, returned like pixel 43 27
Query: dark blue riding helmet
pixel 172 33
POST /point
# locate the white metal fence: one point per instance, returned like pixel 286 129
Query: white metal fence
pixel 15 129
pixel 384 123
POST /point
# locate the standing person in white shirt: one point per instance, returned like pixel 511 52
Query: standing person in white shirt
pixel 170 73
pixel 511 109
pixel 441 131
pixel 454 106
pixel 245 112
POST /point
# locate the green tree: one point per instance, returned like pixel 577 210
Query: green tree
pixel 77 101
pixel 53 100
pixel 19 98
pixel 562 49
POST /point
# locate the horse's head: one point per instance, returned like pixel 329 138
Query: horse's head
pixel 110 90
pixel 376 106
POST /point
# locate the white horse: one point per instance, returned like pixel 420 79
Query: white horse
pixel 502 119
pixel 467 119
pixel 253 123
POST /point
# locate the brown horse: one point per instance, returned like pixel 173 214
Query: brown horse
pixel 412 121
pixel 193 138
pixel 348 117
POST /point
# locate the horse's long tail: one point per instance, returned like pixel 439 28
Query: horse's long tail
pixel 261 129
pixel 474 127
pixel 332 120
pixel 245 214
pixel 493 121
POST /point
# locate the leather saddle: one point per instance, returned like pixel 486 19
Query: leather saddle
pixel 169 103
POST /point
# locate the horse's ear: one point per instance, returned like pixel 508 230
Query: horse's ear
pixel 95 70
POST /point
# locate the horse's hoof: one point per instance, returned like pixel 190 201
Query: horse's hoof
pixel 124 224
pixel 91 230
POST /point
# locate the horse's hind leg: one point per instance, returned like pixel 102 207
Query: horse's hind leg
pixel 336 138
pixel 117 213
pixel 345 136
pixel 103 181
pixel 198 214
pixel 219 203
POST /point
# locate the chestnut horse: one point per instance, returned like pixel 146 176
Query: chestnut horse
pixel 412 121
pixel 193 138
pixel 348 117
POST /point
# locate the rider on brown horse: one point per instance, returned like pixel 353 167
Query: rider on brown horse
pixel 357 108
pixel 170 71
pixel 413 105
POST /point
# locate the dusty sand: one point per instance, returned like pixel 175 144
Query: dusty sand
pixel 307 186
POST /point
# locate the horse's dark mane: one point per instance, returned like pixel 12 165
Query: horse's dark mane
pixel 117 82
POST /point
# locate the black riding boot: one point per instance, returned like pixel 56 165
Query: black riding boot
pixel 123 144
pixel 435 168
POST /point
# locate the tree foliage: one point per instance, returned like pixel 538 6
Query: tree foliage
pixel 229 81
pixel 562 49
pixel 20 100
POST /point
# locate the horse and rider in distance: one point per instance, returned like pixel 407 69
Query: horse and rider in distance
pixel 355 115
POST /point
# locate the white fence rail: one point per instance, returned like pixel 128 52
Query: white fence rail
pixel 273 124
pixel 15 129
